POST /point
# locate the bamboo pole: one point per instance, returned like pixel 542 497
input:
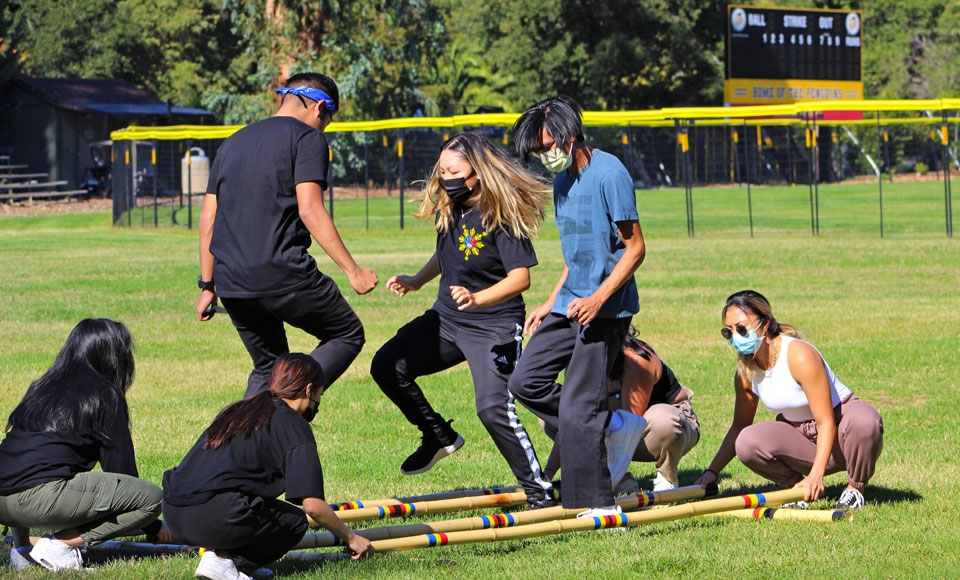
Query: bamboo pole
pixel 429 507
pixel 629 519
pixel 823 516
pixel 640 500
pixel 351 505
pixel 138 549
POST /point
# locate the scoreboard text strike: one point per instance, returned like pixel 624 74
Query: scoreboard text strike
pixel 786 55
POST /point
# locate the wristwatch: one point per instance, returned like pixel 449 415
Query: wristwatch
pixel 205 284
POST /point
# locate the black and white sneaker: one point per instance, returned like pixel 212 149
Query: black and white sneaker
pixel 545 499
pixel 850 499
pixel 431 451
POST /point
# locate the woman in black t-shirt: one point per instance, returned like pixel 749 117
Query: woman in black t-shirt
pixel 486 209
pixel 70 419
pixel 223 494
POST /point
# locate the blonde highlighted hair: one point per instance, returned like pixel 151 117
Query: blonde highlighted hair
pixel 506 196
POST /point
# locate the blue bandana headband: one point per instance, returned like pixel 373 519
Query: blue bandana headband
pixel 311 93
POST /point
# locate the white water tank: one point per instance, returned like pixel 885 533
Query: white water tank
pixel 194 171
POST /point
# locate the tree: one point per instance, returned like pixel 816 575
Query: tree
pixel 607 54
pixel 10 58
pixel 379 52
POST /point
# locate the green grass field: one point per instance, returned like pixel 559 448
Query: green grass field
pixel 884 312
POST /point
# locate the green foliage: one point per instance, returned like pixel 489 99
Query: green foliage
pixel 75 38
pixel 9 64
pixel 608 55
pixel 389 56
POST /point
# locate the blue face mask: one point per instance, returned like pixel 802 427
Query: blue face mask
pixel 747 344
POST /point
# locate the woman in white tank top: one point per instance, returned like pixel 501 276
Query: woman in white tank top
pixel 821 426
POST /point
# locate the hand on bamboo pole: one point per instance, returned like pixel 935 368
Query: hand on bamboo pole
pixel 321 513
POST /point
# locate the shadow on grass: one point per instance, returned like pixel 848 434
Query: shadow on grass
pixel 874 494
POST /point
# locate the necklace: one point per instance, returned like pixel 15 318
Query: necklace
pixel 774 352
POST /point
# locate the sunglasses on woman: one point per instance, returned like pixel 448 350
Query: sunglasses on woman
pixel 742 330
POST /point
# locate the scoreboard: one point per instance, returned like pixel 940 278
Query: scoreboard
pixel 784 55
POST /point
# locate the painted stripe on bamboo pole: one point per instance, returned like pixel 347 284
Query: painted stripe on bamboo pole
pixel 428 507
pixel 457 493
pixel 769 513
pixel 646 499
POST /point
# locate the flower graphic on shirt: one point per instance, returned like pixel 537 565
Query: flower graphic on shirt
pixel 470 242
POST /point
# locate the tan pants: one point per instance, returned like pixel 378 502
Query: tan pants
pixel 672 431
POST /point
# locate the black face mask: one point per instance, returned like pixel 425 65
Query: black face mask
pixel 311 412
pixel 457 189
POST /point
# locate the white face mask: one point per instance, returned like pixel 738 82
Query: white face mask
pixel 557 160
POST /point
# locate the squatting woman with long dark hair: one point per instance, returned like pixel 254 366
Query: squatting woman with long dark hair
pixel 223 495
pixel 70 419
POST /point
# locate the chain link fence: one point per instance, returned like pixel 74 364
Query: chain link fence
pixel 889 172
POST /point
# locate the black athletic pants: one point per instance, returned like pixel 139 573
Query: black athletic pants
pixel 251 531
pixel 431 343
pixel 319 310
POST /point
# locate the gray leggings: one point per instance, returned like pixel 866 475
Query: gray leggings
pixel 98 505
pixel 783 452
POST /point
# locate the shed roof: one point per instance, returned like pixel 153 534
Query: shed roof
pixel 109 96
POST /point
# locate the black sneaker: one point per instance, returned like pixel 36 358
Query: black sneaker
pixel 543 499
pixel 541 502
pixel 431 451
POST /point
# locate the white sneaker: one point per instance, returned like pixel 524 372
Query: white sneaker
pixel 796 505
pixel 850 499
pixel 20 558
pixel 603 512
pixel 622 442
pixel 213 567
pixel 55 555
pixel 661 483
pixel 600 512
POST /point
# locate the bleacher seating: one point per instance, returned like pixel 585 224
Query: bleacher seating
pixel 15 186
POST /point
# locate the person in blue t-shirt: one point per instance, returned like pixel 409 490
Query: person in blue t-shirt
pixel 486 208
pixel 581 327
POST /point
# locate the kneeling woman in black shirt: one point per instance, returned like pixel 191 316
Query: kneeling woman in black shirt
pixel 223 494
pixel 70 419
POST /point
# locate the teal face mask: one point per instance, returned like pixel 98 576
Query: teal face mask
pixel 556 160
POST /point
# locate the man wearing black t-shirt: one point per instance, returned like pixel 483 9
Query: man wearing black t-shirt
pixel 263 203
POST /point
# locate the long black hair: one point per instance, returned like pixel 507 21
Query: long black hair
pixel 89 377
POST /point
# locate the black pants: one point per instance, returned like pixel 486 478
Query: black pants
pixel 576 410
pixel 319 310
pixel 431 343
pixel 251 531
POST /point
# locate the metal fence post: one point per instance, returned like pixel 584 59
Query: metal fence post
pixel 400 171
pixel 881 143
pixel 945 155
